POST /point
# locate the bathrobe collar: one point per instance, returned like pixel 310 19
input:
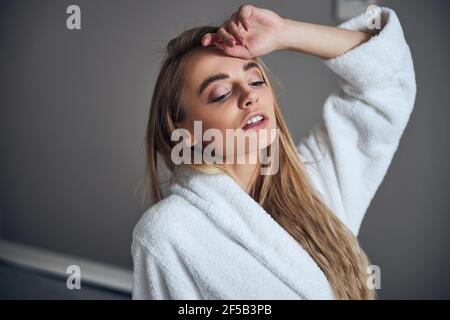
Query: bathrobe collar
pixel 232 209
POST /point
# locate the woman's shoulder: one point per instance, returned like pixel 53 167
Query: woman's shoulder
pixel 163 219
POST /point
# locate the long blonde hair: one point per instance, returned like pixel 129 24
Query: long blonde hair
pixel 287 196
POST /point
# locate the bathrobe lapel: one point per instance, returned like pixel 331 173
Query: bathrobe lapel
pixel 237 213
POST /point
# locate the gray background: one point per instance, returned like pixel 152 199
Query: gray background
pixel 74 106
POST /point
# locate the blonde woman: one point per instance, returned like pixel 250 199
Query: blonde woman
pixel 226 231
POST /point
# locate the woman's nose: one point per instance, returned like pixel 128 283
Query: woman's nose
pixel 251 97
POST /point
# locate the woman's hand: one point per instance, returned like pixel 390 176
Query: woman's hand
pixel 250 32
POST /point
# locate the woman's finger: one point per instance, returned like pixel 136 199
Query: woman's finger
pixel 207 39
pixel 233 29
pixel 225 36
pixel 236 19
pixel 236 51
pixel 220 45
pixel 210 40
pixel 239 51
pixel 245 14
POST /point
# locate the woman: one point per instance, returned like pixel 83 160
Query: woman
pixel 225 231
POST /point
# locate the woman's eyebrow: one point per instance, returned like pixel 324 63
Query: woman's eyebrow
pixel 222 76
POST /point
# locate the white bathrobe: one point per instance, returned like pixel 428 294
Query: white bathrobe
pixel 208 239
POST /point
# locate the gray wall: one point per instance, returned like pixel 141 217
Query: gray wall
pixel 74 106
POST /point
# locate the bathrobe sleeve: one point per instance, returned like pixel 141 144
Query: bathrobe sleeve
pixel 156 276
pixel 149 277
pixel 347 153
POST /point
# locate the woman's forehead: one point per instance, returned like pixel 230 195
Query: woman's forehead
pixel 211 59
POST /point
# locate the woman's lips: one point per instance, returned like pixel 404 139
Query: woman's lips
pixel 255 126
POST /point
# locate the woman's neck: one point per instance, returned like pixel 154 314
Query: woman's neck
pixel 247 175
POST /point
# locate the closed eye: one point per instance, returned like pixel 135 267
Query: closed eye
pixel 222 98
pixel 259 82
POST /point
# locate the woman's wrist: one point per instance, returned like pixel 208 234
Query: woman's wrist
pixel 290 35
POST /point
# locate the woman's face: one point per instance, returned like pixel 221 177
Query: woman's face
pixel 236 89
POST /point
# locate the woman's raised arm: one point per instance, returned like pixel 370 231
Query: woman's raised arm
pixel 252 31
pixel 318 40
